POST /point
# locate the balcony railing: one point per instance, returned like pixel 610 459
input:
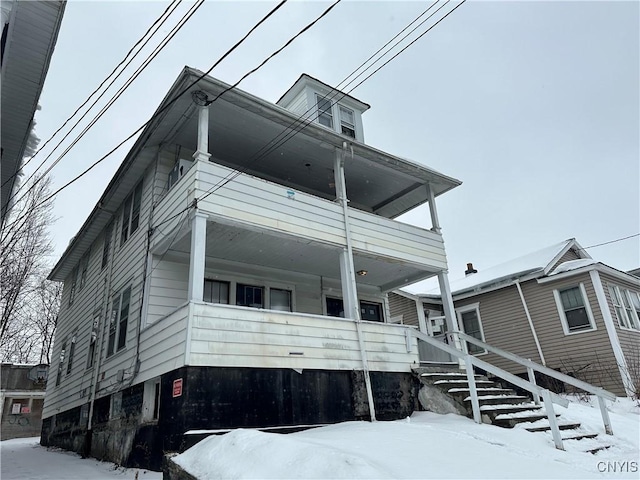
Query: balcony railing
pixel 258 203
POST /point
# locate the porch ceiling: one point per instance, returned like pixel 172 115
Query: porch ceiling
pixel 289 254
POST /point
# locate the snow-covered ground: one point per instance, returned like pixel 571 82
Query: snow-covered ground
pixel 426 445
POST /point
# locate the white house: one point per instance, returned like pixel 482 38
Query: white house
pixel 204 290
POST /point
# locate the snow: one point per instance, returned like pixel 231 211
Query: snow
pixel 426 445
pixel 507 271
pixel 24 458
pixel 572 265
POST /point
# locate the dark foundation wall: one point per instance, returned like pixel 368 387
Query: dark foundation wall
pixel 225 398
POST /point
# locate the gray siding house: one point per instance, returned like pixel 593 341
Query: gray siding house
pixel 227 278
pixel 557 307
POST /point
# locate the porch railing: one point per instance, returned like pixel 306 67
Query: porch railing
pixel 548 397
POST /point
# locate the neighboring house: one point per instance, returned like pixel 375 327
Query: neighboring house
pixel 203 292
pixel 556 306
pixel 21 398
pixel 29 33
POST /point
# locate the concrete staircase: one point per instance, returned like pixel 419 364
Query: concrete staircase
pixel 502 406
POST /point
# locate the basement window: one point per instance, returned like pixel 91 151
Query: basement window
pixel 574 310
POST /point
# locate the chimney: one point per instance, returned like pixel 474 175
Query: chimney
pixel 470 270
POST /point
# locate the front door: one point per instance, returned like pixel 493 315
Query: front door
pixel 436 328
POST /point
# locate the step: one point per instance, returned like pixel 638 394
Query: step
pixel 546 428
pixel 483 391
pixel 505 409
pixel 500 399
pixel 464 381
pixel 580 436
pixel 587 444
pixel 437 376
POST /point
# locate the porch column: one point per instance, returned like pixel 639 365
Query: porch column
pixel 449 309
pixel 435 222
pixel 347 269
pixel 197 255
pixel 202 153
pixel 348 274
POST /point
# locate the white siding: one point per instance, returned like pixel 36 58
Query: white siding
pixel 255 203
pixel 242 337
pixel 162 345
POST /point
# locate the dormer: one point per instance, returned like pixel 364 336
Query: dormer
pixel 323 104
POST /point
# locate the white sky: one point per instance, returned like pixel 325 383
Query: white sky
pixel 533 105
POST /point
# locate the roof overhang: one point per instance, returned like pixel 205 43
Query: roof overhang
pixel 31 36
pixel 240 125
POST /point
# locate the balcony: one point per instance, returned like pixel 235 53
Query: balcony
pixel 293 229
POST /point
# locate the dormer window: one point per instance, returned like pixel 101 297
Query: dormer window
pixel 325 117
pixel 347 122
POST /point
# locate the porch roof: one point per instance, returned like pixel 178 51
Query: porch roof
pixel 240 126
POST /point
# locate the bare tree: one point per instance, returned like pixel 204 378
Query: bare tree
pixel 28 304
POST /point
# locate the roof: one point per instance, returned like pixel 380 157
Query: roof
pixel 538 262
pixel 306 79
pixel 378 181
pixel 31 36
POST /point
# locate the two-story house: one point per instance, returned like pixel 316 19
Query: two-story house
pixel 234 274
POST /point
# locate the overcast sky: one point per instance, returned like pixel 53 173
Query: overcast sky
pixel 533 105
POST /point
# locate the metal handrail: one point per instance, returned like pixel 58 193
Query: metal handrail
pixel 587 387
pixel 549 398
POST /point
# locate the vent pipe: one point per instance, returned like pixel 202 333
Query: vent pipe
pixel 470 270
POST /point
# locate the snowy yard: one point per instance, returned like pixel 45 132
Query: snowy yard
pixel 425 446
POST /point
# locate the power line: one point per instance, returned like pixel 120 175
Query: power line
pixel 612 241
pixel 118 94
pixel 304 123
pixel 171 102
pixel 154 26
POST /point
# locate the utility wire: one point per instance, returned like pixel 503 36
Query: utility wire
pixel 229 178
pixel 171 102
pixel 290 130
pixel 612 241
pixel 118 94
pixel 155 26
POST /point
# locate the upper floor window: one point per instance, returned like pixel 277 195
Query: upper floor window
pixel 131 214
pixel 369 311
pixel 280 299
pixel 347 122
pixel 63 351
pixel 626 305
pixel 84 267
pixel 107 244
pixel 325 116
pixel 216 291
pixel 574 309
pixel 74 283
pixel 91 353
pixel 249 296
pixel 72 350
pixel 118 322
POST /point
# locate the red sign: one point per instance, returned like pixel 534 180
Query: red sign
pixel 177 388
pixel 25 410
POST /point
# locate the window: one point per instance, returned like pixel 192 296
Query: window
pixel 118 322
pixel 131 214
pixel 91 353
pixel 216 291
pixel 107 244
pixel 116 406
pixel 249 296
pixel 72 350
pixel 626 305
pixel 74 282
pixel 325 117
pixel 471 324
pixel 369 311
pixel 84 266
pixel 347 122
pixel 280 299
pixel 63 350
pixel 575 312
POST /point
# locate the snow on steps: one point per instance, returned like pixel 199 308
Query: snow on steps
pixel 503 407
